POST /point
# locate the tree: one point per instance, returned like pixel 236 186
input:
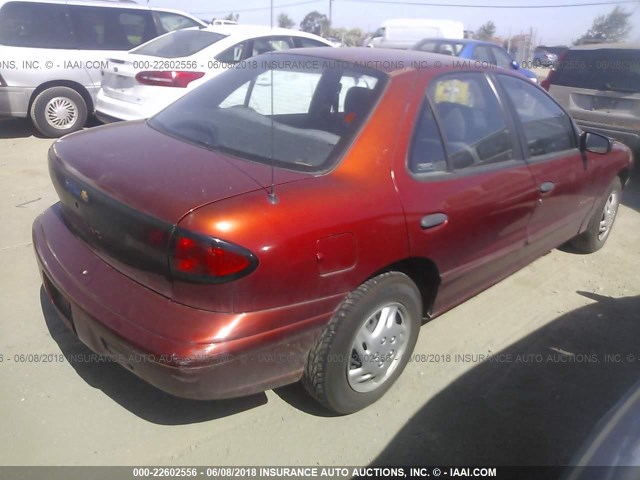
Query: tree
pixel 285 21
pixel 315 22
pixel 349 38
pixel 486 31
pixel 233 17
pixel 614 27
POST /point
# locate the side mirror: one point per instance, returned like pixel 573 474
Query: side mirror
pixel 515 65
pixel 595 143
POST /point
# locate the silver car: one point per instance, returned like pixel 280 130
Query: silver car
pixel 599 85
pixel 52 54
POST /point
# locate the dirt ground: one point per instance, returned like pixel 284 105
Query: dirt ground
pixel 563 335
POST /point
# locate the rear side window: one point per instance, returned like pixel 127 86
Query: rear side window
pixel 503 59
pixel 172 21
pixel 601 69
pixel 99 28
pixel 472 120
pixel 270 44
pixel 428 46
pixel 547 128
pixel 482 53
pixel 181 43
pixel 450 48
pixel 233 54
pixel 427 153
pixel 38 25
pixel 308 42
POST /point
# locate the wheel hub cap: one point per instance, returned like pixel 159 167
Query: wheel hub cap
pixel 378 347
pixel 61 112
pixel 608 215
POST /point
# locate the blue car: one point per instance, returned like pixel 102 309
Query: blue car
pixel 476 50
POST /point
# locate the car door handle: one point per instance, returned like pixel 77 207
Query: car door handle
pixel 433 220
pixel 546 187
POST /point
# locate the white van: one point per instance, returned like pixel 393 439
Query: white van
pixel 52 54
pixel 405 32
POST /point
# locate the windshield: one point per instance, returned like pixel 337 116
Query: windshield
pixel 181 43
pixel 601 69
pixel 292 111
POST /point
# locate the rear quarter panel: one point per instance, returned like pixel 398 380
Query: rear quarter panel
pixel 294 236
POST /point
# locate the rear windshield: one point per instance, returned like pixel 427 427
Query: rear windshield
pixel 602 69
pixel 291 111
pixel 181 43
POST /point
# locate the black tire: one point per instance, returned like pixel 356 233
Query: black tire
pixel 70 104
pixel 592 239
pixel 325 376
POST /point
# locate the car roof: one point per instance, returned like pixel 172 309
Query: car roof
pixel 248 31
pixel 110 3
pixel 382 59
pixel 102 3
pixel 617 46
pixel 464 41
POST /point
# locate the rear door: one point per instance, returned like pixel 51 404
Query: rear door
pixel 467 192
pixel 558 166
pixel 102 32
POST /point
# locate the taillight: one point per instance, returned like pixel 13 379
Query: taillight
pixel 546 83
pixel 205 259
pixel 168 78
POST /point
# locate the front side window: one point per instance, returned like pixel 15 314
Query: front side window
pixel 287 116
pixel 181 43
pixel 99 28
pixel 547 128
pixel 472 120
pixel 36 25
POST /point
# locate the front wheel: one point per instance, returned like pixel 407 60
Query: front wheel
pixel 58 111
pixel 601 223
pixel 366 345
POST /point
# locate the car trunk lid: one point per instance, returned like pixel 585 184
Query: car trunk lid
pixel 125 187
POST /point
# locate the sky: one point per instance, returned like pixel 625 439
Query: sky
pixel 553 26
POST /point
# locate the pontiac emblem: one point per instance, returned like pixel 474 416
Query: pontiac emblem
pixel 84 196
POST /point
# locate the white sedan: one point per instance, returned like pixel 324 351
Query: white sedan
pixel 140 83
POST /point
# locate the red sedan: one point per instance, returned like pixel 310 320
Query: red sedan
pixel 300 215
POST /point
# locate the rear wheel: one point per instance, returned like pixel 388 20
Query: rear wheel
pixel 366 345
pixel 58 111
pixel 601 223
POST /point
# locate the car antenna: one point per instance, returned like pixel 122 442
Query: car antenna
pixel 272 191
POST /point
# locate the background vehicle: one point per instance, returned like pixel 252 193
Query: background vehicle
pixel 475 49
pixel 542 57
pixel 142 82
pixel 404 32
pixel 599 85
pixel 271 226
pixel 52 54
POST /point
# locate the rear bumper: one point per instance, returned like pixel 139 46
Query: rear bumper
pixel 101 305
pixel 113 109
pixel 628 137
pixel 14 101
